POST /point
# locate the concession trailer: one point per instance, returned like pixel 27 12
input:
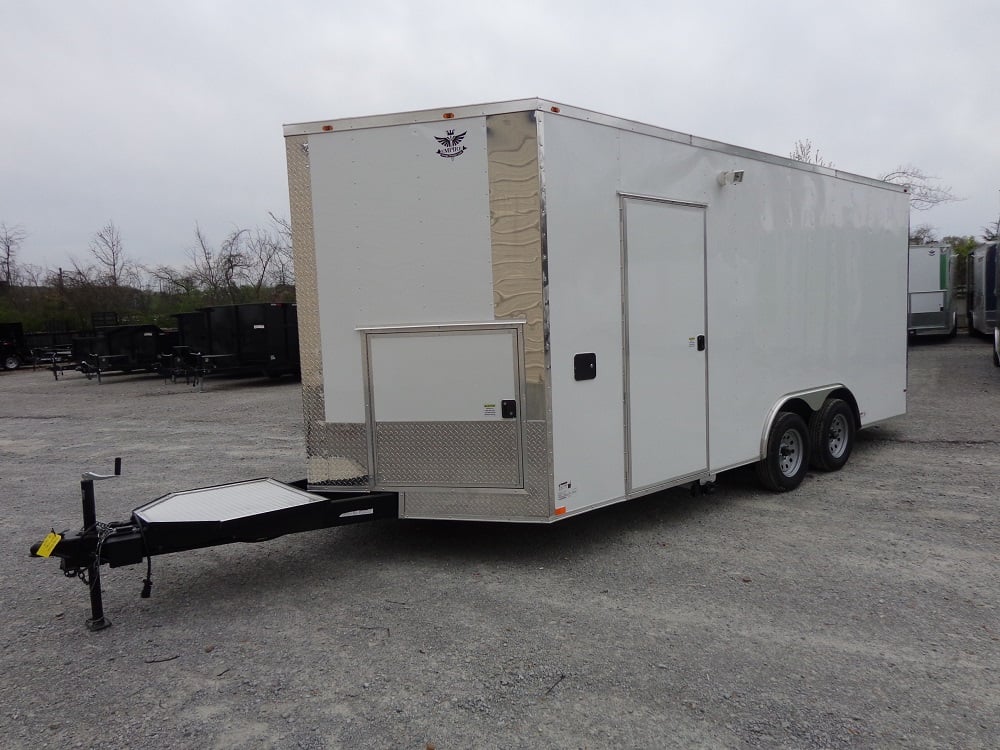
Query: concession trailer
pixel 523 311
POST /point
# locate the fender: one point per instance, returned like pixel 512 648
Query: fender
pixel 813 398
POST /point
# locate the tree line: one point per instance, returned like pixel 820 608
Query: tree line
pixel 249 265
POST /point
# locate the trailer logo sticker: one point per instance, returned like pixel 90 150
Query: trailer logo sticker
pixel 450 142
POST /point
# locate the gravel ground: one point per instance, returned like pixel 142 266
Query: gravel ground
pixel 860 611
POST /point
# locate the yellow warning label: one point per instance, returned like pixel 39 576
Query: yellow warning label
pixel 49 543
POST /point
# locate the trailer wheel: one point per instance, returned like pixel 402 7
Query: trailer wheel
pixel 831 433
pixel 11 362
pixel 786 459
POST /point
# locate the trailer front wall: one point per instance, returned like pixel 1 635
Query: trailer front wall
pixel 390 232
pixel 806 287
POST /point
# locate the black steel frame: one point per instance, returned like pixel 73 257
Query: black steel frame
pixel 82 553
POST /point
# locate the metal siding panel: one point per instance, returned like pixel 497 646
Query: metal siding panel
pixel 926 264
pixel 516 239
pixel 403 237
pixel 584 309
pixel 806 277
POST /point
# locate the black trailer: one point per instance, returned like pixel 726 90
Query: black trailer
pixel 249 511
pixel 259 338
pixel 122 348
pixel 48 345
pixel 14 350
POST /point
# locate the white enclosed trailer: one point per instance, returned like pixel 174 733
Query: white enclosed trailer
pixel 522 311
pixel 931 286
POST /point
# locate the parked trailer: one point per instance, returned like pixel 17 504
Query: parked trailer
pixel 996 324
pixel 524 311
pixel 258 338
pixel 123 348
pixel 982 290
pixel 14 351
pixel 53 348
pixel 931 288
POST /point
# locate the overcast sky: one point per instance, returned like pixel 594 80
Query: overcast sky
pixel 160 115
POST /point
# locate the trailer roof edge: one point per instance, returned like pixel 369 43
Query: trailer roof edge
pixel 443 114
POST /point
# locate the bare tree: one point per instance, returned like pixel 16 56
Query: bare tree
pixel 234 262
pixel 173 280
pixel 10 242
pixel 204 266
pixel 991 232
pixel 924 193
pixel 284 269
pixel 116 269
pixel 923 234
pixel 803 151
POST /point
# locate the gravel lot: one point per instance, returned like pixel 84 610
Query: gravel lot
pixel 860 611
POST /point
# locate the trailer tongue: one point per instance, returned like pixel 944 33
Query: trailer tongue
pixel 249 511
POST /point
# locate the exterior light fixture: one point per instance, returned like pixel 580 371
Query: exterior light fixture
pixel 733 177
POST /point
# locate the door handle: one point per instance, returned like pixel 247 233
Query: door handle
pixel 701 342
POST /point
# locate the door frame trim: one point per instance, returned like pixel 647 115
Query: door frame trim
pixel 516 327
pixel 623 198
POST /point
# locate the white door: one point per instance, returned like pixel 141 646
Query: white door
pixel 666 435
pixel 445 407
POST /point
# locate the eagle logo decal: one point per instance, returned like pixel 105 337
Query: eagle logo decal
pixel 450 143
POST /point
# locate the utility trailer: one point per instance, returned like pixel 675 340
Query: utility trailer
pixel 524 311
pixel 981 289
pixel 122 348
pixel 256 338
pixel 931 286
pixel 14 351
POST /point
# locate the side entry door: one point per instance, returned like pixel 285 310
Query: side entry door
pixel 666 363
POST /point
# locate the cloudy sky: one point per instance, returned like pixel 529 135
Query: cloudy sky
pixel 162 115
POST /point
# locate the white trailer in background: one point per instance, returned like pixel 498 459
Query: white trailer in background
pixel 932 308
pixel 981 290
pixel 522 311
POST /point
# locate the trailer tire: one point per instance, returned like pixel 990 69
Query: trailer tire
pixel 831 434
pixel 11 362
pixel 786 456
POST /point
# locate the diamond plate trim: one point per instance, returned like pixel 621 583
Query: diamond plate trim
pixel 338 454
pixel 332 450
pixel 447 454
pixel 534 504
